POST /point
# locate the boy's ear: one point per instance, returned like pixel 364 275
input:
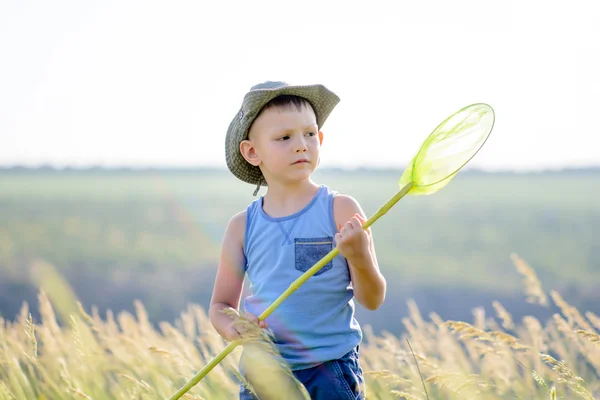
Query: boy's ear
pixel 249 152
pixel 321 138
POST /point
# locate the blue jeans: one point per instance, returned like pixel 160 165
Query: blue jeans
pixel 340 379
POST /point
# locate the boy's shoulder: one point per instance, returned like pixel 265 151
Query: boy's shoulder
pixel 344 207
pixel 237 226
pixel 238 218
pixel 344 200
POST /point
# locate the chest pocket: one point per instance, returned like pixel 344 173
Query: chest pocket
pixel 309 251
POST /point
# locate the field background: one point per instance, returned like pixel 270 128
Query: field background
pixel 154 235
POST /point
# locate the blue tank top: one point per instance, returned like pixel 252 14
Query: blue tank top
pixel 316 322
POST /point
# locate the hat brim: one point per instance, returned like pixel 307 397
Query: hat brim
pixel 322 100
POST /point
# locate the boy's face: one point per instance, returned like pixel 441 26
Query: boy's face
pixel 285 143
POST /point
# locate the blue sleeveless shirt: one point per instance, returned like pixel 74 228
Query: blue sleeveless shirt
pixel 316 322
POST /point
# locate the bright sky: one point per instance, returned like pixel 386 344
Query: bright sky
pixel 157 83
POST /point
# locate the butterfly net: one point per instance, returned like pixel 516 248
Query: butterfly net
pixel 448 148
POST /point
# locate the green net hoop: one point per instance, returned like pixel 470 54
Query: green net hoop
pixel 448 148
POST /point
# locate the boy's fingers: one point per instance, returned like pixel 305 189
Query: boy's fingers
pixel 349 226
pixel 254 318
pixel 362 221
pixel 356 223
pixel 251 317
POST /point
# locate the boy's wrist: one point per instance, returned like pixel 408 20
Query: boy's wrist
pixel 361 260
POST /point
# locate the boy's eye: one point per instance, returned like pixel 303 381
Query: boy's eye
pixel 286 137
pixel 311 134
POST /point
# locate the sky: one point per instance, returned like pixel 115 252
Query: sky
pixel 143 83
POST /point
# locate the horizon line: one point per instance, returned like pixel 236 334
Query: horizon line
pixel 217 168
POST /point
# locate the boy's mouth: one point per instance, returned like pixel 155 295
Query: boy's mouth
pixel 304 160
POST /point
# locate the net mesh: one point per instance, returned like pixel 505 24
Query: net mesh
pixel 448 148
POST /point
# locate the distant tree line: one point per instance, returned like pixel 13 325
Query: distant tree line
pixel 47 168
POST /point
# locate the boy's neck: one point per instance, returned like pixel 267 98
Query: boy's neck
pixel 282 200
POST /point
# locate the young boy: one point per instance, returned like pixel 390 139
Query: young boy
pixel 275 140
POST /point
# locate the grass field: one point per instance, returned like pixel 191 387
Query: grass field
pixel 124 357
pixel 155 236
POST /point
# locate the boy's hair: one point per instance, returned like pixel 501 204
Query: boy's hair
pixel 285 101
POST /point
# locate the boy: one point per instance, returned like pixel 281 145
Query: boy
pixel 275 141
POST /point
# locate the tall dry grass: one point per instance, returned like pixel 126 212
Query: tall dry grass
pixel 125 357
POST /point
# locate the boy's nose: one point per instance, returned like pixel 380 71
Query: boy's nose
pixel 301 145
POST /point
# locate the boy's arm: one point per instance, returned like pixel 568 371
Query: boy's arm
pixel 230 278
pixel 367 281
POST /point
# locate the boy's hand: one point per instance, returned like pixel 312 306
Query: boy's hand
pixel 236 331
pixel 352 240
